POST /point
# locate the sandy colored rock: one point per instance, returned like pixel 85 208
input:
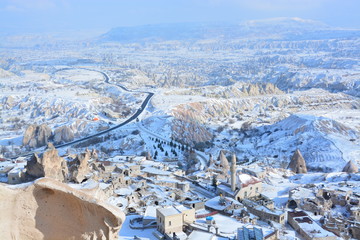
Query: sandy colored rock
pixel 79 167
pixel 350 167
pixel 63 134
pixel 224 163
pixel 37 135
pixel 48 209
pixel 48 164
pixel 29 134
pixel 297 163
pixel 9 102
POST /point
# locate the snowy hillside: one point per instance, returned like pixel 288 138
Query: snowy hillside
pixel 325 144
pixel 275 28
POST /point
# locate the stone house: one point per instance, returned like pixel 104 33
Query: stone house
pixel 223 204
pixel 155 173
pixel 196 204
pixel 171 219
pixel 263 212
pixel 307 227
pixel 16 175
pixel 118 180
pixel 341 226
pixel 355 213
pixel 306 198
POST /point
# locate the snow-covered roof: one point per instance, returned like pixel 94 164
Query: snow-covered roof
pixel 195 235
pixel 214 203
pixel 301 193
pixel 172 210
pixel 226 188
pixel 155 171
pixel 310 226
pixel 254 168
pixel 150 212
pixel 262 208
pixel 246 180
pixel 123 191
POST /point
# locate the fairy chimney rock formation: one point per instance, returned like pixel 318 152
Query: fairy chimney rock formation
pixel 211 161
pixel 350 167
pixel 297 163
pixel 63 134
pixel 79 167
pixel 37 135
pixel 49 164
pixel 224 163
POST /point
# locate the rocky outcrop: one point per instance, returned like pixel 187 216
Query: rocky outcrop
pixel 224 163
pixel 79 167
pixel 48 209
pixel 37 135
pixel 9 102
pixel 49 164
pixel 297 163
pixel 63 134
pixel 350 167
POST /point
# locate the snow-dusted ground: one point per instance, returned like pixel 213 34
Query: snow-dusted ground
pixel 202 87
pixel 72 97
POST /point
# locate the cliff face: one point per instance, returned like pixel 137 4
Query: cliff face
pixel 48 209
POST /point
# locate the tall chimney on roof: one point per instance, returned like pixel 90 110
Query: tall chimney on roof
pixel 233 172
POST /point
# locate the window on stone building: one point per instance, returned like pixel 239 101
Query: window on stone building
pixel 169 223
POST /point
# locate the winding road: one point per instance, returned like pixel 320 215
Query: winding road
pixel 133 117
pixel 201 156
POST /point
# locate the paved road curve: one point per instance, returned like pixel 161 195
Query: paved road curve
pixel 133 117
pixel 201 155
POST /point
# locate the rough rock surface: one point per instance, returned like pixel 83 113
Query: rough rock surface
pixel 37 135
pixel 48 164
pixel 9 102
pixel 79 167
pixel 350 167
pixel 224 163
pixel 63 134
pixel 297 163
pixel 48 209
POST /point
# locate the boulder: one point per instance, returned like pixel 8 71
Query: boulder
pixel 350 167
pixel 63 134
pixel 48 209
pixel 297 163
pixel 37 135
pixel 49 164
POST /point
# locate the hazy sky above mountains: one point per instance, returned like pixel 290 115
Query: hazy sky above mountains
pixel 34 16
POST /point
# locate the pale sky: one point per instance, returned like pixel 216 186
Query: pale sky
pixel 39 16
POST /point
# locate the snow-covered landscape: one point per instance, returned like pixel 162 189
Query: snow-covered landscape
pixel 189 131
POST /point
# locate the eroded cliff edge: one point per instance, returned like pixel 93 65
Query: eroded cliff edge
pixel 48 209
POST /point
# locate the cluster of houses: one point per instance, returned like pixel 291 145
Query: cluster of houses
pixel 174 205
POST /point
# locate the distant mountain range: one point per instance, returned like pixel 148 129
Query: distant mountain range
pixel 276 29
